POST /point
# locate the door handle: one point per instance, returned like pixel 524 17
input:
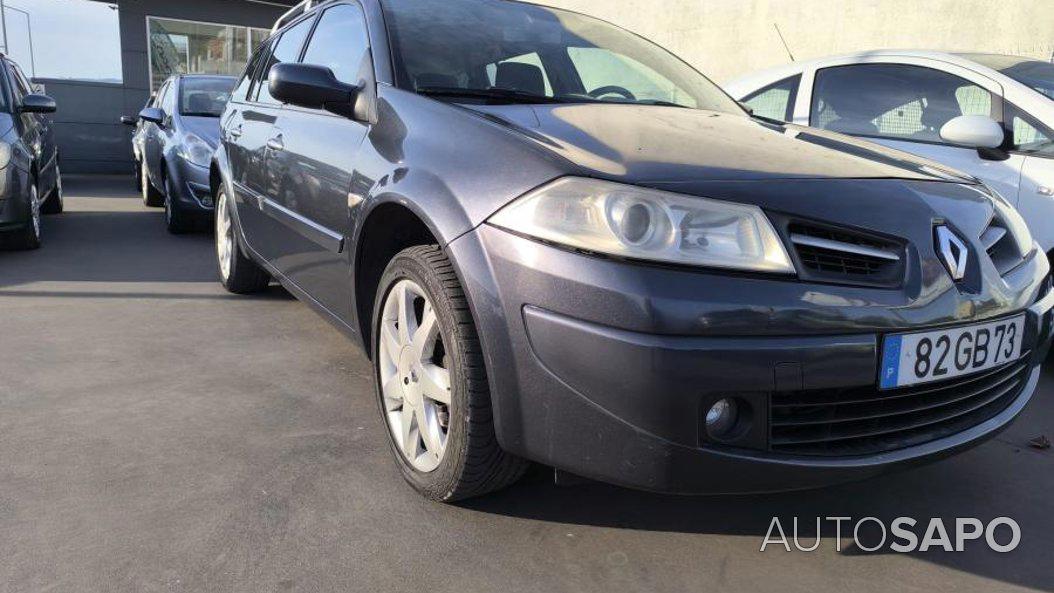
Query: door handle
pixel 235 132
pixel 1045 191
pixel 276 144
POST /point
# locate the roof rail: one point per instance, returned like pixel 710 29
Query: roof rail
pixel 293 13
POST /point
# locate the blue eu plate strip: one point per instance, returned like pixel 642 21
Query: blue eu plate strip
pixel 891 363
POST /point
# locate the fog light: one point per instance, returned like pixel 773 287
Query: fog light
pixel 721 418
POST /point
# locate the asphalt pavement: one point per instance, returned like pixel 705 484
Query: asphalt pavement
pixel 158 434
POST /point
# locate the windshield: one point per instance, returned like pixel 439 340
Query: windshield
pixel 204 97
pixel 1032 73
pixel 498 49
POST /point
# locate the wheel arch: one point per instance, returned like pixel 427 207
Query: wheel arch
pixel 388 228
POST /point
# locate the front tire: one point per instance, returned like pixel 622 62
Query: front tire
pixel 177 220
pixel 238 273
pixel 432 382
pixel 151 197
pixel 54 203
pixel 28 238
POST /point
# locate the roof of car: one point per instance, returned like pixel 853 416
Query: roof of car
pixel 965 60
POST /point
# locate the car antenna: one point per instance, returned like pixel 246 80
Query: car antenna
pixel 785 46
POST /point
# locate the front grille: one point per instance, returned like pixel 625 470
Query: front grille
pixel 843 256
pixel 864 421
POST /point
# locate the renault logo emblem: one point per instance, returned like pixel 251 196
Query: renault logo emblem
pixel 953 252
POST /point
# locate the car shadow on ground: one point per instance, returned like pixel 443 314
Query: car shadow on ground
pixel 107 241
pixel 1002 478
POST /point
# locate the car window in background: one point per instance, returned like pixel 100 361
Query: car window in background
pixel 340 42
pixel 893 101
pixel 286 49
pixel 1029 135
pixel 204 97
pixel 1032 73
pixel 494 45
pixel 242 90
pixel 775 101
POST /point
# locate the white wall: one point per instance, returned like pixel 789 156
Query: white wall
pixel 728 38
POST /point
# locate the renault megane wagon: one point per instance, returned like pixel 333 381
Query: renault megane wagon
pixel 557 242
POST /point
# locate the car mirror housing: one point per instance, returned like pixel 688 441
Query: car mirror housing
pixel 313 87
pixel 38 104
pixel 153 115
pixel 129 120
pixel 973 131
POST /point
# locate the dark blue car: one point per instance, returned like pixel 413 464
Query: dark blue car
pixel 179 132
pixel 560 243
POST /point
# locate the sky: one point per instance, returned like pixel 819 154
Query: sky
pixel 71 38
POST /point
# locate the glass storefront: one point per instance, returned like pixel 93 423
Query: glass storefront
pixel 188 47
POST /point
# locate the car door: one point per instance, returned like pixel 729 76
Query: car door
pixel 904 106
pixel 29 127
pixel 315 152
pixel 249 128
pixel 1034 142
pixel 151 137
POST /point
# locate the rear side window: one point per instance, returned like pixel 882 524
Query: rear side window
pixel 287 49
pixel 775 101
pixel 894 101
pixel 341 43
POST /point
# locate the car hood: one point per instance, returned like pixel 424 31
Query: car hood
pixel 206 128
pixel 651 144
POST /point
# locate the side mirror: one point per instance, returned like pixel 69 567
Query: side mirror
pixel 973 131
pixel 313 87
pixel 129 120
pixel 38 104
pixel 153 115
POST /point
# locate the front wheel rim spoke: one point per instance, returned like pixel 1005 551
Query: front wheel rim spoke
pixel 435 383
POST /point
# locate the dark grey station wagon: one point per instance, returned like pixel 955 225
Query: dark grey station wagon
pixel 559 243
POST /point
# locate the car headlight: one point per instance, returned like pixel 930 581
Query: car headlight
pixel 640 223
pixel 196 150
pixel 5 154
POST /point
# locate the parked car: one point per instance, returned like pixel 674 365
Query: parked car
pixel 179 133
pixel 991 116
pixel 557 242
pixel 138 128
pixel 30 179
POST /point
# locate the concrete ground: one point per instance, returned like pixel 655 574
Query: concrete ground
pixel 157 434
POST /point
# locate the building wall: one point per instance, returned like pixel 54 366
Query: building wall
pixel 729 38
pixel 90 136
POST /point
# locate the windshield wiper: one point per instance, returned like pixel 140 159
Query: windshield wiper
pixel 502 95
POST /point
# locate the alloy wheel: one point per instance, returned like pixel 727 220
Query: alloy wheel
pixel 224 235
pixel 414 375
pixel 34 210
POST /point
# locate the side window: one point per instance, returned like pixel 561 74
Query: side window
pixel 168 102
pixel 893 101
pixel 341 43
pixel 159 99
pixel 286 49
pixel 617 74
pixel 521 73
pixel 1029 135
pixel 22 88
pixel 241 91
pixel 775 101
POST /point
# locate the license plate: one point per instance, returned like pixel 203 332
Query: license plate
pixel 910 359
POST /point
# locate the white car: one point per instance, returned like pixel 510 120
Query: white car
pixel 988 115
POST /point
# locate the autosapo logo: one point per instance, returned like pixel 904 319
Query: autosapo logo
pixel 903 534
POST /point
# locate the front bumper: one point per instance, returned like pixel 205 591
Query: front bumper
pixel 15 212
pixel 605 369
pixel 193 192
